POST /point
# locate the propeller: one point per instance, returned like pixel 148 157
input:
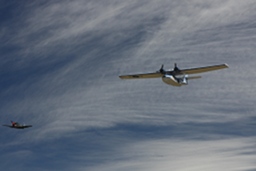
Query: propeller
pixel 161 70
pixel 175 67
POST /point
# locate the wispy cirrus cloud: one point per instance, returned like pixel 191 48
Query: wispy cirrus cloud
pixel 62 71
pixel 59 75
pixel 177 154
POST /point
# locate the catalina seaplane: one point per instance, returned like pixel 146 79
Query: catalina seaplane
pixel 176 77
pixel 17 125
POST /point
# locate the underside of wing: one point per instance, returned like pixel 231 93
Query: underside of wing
pixel 22 126
pixel 203 69
pixel 141 76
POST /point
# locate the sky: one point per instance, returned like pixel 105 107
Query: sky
pixel 59 68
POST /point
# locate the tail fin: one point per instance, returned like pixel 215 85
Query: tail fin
pixel 13 123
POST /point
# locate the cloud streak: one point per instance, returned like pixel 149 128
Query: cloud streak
pixel 179 155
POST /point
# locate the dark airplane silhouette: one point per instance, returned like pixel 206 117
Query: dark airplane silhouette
pixel 17 125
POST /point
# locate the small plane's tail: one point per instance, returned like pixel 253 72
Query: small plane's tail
pixel 13 123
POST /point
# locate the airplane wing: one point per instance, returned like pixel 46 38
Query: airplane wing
pixel 139 76
pixel 22 126
pixel 203 69
pixel 26 126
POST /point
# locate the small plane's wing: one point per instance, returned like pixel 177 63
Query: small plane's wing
pixel 26 126
pixel 203 69
pixel 138 76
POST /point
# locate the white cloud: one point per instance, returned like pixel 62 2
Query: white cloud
pixel 227 154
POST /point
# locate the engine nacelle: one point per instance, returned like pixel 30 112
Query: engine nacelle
pixel 171 80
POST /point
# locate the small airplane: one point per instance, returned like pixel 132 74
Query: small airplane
pixel 176 77
pixel 17 125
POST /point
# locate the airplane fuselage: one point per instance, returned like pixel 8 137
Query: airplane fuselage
pixel 174 81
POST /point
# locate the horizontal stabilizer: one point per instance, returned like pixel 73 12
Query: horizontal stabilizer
pixel 138 76
pixel 194 77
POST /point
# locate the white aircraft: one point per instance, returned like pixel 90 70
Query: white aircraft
pixel 175 77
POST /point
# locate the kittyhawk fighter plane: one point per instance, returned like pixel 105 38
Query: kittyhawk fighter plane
pixel 17 125
pixel 175 77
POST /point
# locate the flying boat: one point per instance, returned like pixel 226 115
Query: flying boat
pixel 176 77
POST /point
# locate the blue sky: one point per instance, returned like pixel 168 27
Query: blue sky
pixel 60 62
